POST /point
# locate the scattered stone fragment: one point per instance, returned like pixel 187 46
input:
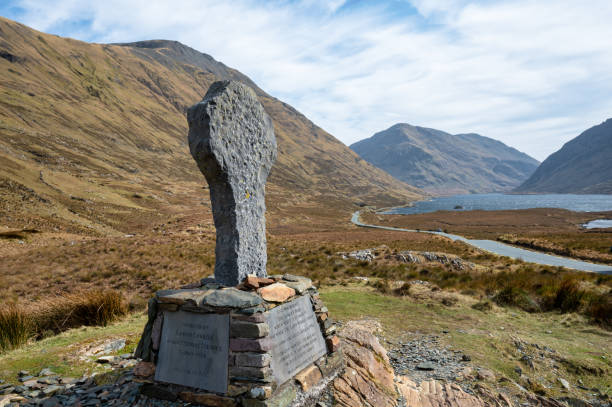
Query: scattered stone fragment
pixel 276 292
pixel 52 390
pixel 260 392
pixel 46 372
pixel 426 366
pixel 231 298
pixel 309 377
pixel 181 297
pixel 252 359
pixel 564 383
pixel 32 383
pixel 207 399
pixel 20 389
pixel 333 343
pixel 299 286
pixel 106 359
pixel 253 282
pixel 486 374
pixel 250 345
pixel 144 369
pixel 48 380
pixel 245 329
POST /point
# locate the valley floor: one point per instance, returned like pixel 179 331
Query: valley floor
pixel 529 326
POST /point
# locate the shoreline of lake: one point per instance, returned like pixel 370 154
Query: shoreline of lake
pixel 500 201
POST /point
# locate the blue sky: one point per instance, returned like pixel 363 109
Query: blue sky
pixel 531 73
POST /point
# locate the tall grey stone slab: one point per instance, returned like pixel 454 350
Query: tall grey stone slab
pixel 232 140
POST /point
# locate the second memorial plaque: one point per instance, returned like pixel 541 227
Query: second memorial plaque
pixel 296 338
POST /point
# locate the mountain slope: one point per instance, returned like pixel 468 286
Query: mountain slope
pixel 93 137
pixel 443 163
pixel 583 165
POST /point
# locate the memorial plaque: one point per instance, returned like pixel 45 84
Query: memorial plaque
pixel 296 338
pixel 194 350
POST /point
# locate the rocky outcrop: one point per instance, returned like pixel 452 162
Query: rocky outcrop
pixel 369 379
pixel 443 163
pixel 408 256
pixel 435 394
pixel 583 165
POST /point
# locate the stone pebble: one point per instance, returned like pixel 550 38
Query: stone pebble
pixel 51 390
pixel 425 358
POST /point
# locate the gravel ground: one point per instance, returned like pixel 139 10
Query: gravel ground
pixel 54 391
pixel 424 358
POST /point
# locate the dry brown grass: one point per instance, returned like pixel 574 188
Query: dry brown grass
pixel 551 230
pixel 90 308
pixel 585 245
pixel 16 327
pixel 21 322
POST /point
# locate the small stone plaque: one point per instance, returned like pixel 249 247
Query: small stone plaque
pixel 296 338
pixel 194 350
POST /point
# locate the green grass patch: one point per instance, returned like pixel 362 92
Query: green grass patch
pixel 63 353
pixel 583 351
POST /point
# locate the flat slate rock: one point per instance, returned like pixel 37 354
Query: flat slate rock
pixel 182 296
pixel 231 298
pixel 426 366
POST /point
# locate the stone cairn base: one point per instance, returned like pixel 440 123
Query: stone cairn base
pixel 251 376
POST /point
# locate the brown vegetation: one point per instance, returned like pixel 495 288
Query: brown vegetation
pixel 557 231
pixel 19 322
pixel 590 246
pixel 94 139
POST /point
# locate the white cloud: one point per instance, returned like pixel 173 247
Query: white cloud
pixel 532 73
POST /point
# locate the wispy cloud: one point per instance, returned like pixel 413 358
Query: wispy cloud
pixel 532 73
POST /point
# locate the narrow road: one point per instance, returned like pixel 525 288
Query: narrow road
pixel 502 249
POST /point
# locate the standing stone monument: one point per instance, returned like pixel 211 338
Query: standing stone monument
pixel 231 137
pixel 242 339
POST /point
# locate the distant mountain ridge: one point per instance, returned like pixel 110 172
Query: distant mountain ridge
pixel 442 163
pixel 582 166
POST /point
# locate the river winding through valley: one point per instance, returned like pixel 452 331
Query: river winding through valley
pixel 502 249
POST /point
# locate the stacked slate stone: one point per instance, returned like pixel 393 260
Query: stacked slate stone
pixel 253 378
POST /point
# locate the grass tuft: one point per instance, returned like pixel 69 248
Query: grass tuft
pixel 91 308
pixel 57 314
pixel 15 327
pixel 515 297
pixel 569 296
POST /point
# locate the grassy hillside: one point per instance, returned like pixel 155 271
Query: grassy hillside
pixel 93 140
pixel 446 164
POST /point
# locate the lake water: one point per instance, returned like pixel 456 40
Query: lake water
pixel 599 223
pixel 492 202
